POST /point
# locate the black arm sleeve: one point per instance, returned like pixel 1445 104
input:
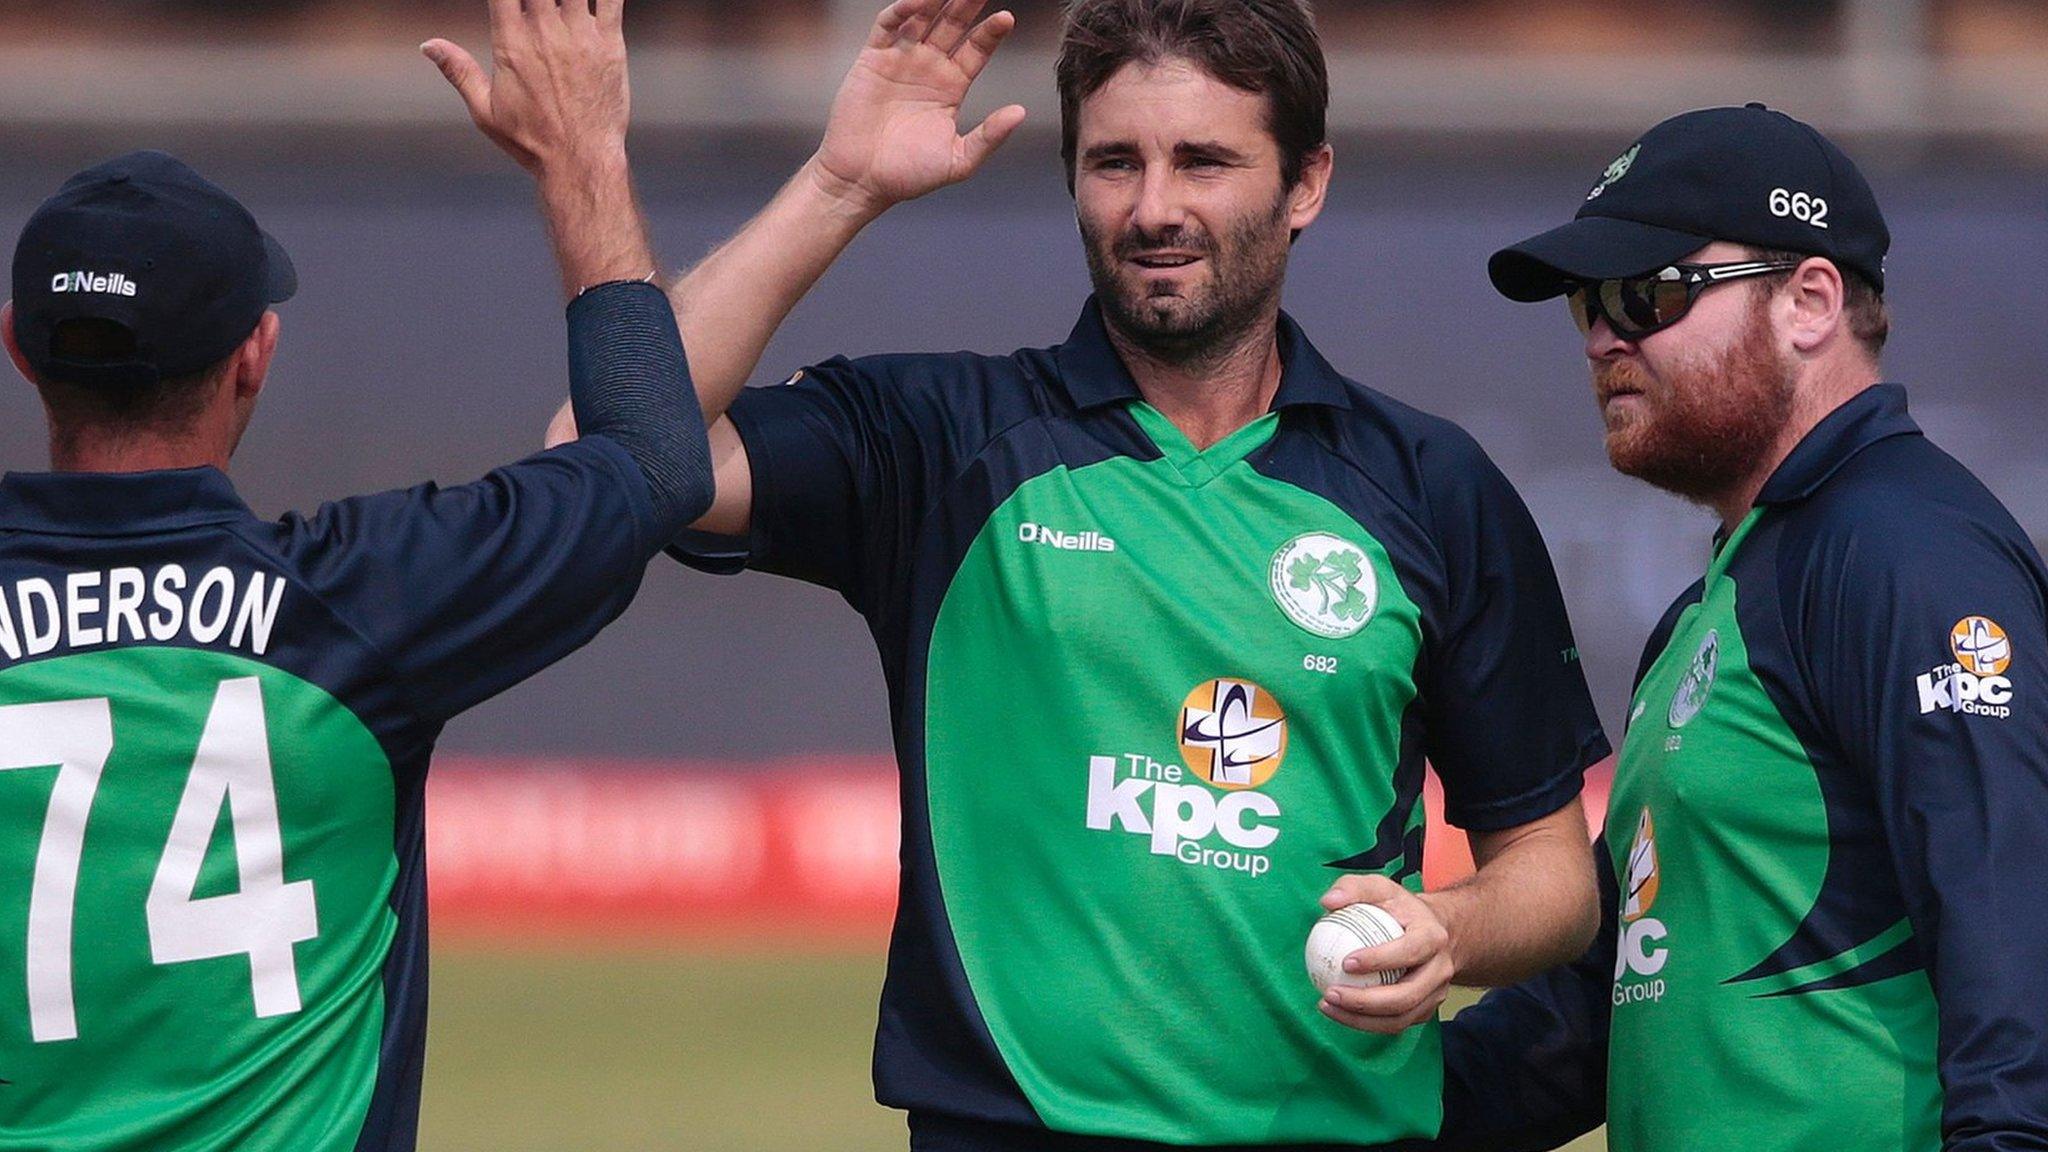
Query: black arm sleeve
pixel 630 383
pixel 1525 1069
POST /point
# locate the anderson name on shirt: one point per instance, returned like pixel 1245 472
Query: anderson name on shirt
pixel 136 605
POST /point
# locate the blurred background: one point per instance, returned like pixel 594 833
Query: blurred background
pixel 663 870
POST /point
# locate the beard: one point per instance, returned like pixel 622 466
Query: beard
pixel 1202 321
pixel 1706 428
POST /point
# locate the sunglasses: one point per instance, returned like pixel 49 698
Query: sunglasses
pixel 1636 306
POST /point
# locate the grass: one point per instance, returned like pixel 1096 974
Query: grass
pixel 648 1051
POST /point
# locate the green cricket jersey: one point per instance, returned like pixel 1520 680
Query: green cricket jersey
pixel 1149 701
pixel 214 739
pixel 1827 928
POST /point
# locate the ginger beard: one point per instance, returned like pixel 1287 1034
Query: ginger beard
pixel 1700 429
pixel 1193 323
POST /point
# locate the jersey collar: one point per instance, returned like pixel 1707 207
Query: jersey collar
pixel 1876 413
pixel 117 503
pixel 1094 375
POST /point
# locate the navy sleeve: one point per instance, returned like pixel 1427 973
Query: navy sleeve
pixel 846 458
pixel 469 590
pixel 1511 726
pixel 1525 1069
pixel 1926 638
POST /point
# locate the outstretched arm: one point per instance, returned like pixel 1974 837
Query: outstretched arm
pixel 893 135
pixel 558 101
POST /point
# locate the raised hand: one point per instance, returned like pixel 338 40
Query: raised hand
pixel 894 132
pixel 556 100
pixel 557 92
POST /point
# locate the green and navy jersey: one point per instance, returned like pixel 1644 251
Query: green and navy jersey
pixel 1148 701
pixel 1827 927
pixel 214 734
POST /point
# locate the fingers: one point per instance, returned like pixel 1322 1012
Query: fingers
pixel 919 25
pixel 889 23
pixel 1363 889
pixel 1409 951
pixel 504 15
pixel 905 20
pixel 981 44
pixel 978 145
pixel 611 14
pixel 949 28
pixel 1391 1008
pixel 465 74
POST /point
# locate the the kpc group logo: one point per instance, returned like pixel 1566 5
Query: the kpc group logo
pixel 1325 584
pixel 1232 733
pixel 1640 953
pixel 1980 646
pixel 1233 737
pixel 1976 684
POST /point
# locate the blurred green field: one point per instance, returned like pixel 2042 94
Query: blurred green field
pixel 651 1051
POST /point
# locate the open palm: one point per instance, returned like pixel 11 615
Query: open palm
pixel 894 133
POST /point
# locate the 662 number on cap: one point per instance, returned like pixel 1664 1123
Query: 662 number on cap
pixel 1801 206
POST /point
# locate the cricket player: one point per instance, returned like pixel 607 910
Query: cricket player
pixel 1831 806
pixel 1171 613
pixel 214 729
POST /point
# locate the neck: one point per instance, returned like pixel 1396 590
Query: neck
pixel 1215 392
pixel 1814 399
pixel 102 452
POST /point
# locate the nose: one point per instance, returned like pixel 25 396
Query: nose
pixel 1159 206
pixel 1602 343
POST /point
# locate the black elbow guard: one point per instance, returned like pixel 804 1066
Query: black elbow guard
pixel 630 382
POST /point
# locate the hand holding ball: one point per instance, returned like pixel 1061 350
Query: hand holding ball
pixel 1343 932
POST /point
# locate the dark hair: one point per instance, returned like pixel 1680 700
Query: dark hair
pixel 1267 47
pixel 166 404
pixel 1863 306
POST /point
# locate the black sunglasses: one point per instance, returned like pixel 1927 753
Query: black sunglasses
pixel 1636 306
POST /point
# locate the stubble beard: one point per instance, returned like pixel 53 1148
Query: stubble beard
pixel 1207 323
pixel 1709 428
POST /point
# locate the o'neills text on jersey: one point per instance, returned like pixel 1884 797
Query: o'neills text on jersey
pixel 133 605
pixel 1090 541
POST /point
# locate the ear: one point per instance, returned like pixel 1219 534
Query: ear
pixel 1816 295
pixel 1305 201
pixel 252 359
pixel 13 347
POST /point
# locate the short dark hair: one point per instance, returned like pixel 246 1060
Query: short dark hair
pixel 73 405
pixel 1269 47
pixel 1863 306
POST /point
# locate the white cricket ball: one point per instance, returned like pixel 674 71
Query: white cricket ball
pixel 1343 932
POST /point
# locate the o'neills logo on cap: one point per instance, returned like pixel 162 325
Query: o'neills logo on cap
pixel 108 283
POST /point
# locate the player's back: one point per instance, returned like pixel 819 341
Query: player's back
pixel 213 740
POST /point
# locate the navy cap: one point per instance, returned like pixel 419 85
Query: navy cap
pixel 1749 175
pixel 145 243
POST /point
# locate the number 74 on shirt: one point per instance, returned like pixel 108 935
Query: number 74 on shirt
pixel 262 920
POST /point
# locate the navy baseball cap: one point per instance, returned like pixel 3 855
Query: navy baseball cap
pixel 1749 175
pixel 143 243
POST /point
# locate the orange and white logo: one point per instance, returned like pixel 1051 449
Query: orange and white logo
pixel 1640 952
pixel 1233 733
pixel 1642 871
pixel 1981 646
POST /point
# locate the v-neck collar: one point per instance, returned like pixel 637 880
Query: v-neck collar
pixel 1198 466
